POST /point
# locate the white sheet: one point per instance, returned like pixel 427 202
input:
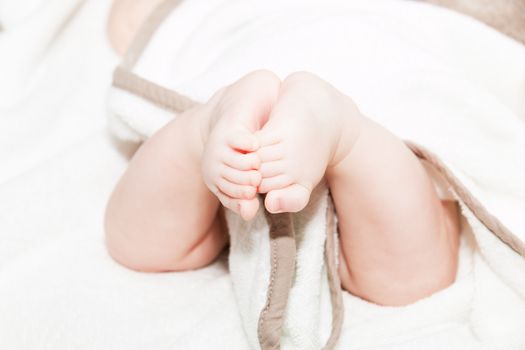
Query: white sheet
pixel 58 287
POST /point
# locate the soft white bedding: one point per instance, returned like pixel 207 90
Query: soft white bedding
pixel 58 287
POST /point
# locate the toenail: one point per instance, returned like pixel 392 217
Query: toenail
pixel 278 207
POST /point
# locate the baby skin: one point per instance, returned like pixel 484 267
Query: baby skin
pixel 398 240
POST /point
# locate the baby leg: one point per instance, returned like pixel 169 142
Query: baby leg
pixel 399 242
pixel 161 216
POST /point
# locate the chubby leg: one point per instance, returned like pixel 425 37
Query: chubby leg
pixel 161 216
pixel 399 241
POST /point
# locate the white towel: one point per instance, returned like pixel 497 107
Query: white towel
pixel 393 59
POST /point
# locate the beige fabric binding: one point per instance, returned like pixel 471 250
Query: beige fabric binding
pixel 487 219
pixel 336 296
pixel 282 259
pixel 282 239
pixel 150 91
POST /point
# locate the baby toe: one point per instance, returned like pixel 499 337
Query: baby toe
pixel 243 141
pixel 289 199
pixel 249 177
pixel 271 153
pixel 236 191
pixel 239 161
pixel 248 208
pixel 273 183
pixel 228 202
pixel 271 169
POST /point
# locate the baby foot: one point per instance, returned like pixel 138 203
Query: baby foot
pixel 230 164
pixel 291 165
pixel 301 139
pixel 230 169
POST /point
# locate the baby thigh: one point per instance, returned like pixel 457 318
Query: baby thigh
pixel 161 216
pixel 399 241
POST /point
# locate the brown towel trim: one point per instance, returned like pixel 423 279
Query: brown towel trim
pixel 157 94
pixel 282 256
pixel 487 219
pixel 336 296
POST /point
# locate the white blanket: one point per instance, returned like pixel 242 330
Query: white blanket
pixel 60 290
